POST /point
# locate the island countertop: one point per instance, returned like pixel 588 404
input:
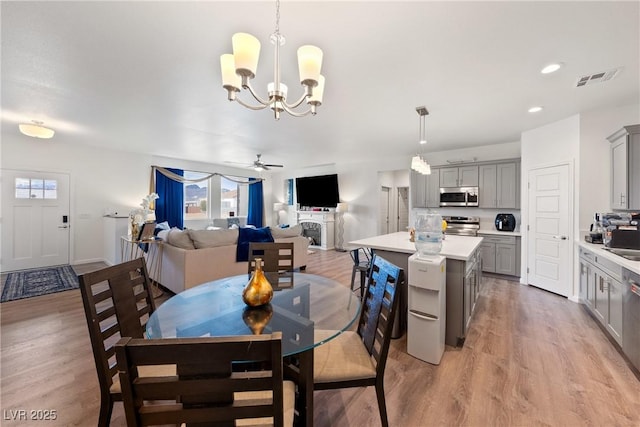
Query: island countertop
pixel 453 247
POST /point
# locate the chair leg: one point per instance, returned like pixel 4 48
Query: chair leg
pixel 363 277
pixel 382 406
pixel 106 407
pixel 353 277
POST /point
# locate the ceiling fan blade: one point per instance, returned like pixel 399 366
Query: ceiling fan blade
pixel 274 166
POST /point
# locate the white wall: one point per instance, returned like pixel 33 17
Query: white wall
pixel 100 179
pixel 553 144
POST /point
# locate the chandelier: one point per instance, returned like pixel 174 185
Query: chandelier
pixel 417 162
pixel 241 66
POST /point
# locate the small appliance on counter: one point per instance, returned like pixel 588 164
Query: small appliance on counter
pixel 595 231
pixel 620 230
pixel 505 222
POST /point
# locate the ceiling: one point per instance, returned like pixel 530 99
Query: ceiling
pixel 145 76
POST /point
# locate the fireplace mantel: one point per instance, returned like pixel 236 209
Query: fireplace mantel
pixel 325 220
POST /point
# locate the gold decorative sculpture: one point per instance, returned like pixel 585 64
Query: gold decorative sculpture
pixel 258 291
pixel 256 318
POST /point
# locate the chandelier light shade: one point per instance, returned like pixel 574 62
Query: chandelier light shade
pixel 36 130
pixel 239 68
pixel 418 163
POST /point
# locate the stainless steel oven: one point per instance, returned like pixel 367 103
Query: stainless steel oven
pixel 462 225
pixel 459 196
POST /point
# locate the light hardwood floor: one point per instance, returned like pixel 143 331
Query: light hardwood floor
pixel 531 359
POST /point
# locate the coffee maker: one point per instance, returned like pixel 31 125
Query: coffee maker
pixel 596 231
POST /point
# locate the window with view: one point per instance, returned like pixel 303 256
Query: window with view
pixel 196 197
pixel 216 197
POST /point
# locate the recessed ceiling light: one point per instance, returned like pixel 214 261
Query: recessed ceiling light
pixel 551 68
pixel 36 130
pixel 423 141
pixel 535 109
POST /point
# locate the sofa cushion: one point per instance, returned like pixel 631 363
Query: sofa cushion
pixel 213 238
pixel 180 238
pixel 282 233
pixel 247 235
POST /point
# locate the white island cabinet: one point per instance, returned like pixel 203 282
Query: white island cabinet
pixel 464 277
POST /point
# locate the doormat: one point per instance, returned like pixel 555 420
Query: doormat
pixel 40 281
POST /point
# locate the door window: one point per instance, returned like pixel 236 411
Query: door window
pixel 36 188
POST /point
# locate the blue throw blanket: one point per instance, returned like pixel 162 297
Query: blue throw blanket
pixel 248 235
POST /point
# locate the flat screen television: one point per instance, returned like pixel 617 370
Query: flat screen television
pixel 318 191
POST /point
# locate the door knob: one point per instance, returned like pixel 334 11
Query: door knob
pixel 560 237
pixel 63 226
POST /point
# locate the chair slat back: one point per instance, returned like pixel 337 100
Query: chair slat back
pixel 277 257
pixel 207 378
pixel 379 306
pixel 117 303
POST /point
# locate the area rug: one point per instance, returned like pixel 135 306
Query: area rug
pixel 40 281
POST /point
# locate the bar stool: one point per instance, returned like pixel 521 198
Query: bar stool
pixel 361 263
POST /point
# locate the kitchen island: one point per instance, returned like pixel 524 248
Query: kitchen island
pixel 464 276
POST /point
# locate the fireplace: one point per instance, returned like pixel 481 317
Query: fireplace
pixel 318 226
pixel 312 231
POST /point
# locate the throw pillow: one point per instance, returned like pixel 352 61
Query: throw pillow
pixel 283 233
pixel 247 235
pixel 180 239
pixel 213 238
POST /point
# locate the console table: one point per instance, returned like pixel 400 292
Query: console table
pixel 132 249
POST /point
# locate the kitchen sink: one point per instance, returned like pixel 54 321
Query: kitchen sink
pixel 630 254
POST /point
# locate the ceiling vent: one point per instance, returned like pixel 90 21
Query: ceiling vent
pixel 597 77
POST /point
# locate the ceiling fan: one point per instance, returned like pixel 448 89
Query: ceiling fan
pixel 259 165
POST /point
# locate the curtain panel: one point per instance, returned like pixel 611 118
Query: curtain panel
pixel 255 215
pixel 170 202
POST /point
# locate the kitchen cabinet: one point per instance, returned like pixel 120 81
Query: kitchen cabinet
pixel 462 176
pixel 499 185
pixel 625 168
pixel 601 291
pixel 501 254
pixel 425 189
pixel 463 290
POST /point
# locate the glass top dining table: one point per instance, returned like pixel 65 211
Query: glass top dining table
pixel 301 304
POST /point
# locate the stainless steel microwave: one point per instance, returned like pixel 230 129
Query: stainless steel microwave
pixel 459 196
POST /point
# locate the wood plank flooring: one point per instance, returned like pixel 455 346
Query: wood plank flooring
pixel 531 359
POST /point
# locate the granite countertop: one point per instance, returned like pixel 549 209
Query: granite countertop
pixel 499 233
pixel 600 251
pixel 453 247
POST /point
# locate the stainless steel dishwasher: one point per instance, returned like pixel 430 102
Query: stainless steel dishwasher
pixel 631 316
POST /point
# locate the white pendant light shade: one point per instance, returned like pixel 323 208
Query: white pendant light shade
pixel 36 130
pixel 309 64
pixel 318 92
pixel 246 52
pixel 230 80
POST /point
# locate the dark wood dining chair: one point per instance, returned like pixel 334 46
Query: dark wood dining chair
pixel 117 303
pixel 209 386
pixel 358 359
pixel 276 257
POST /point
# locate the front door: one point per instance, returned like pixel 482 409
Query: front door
pixel 35 219
pixel 550 223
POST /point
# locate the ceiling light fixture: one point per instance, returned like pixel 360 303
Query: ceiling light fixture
pixel 551 68
pixel 417 162
pixel 241 66
pixel 535 109
pixel 36 130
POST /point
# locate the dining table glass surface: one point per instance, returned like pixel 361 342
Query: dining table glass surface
pixel 302 303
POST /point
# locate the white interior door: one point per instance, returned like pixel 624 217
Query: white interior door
pixel 35 219
pixel 550 223
pixel 403 209
pixel 385 203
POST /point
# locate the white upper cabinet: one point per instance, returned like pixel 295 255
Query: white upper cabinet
pixel 463 176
